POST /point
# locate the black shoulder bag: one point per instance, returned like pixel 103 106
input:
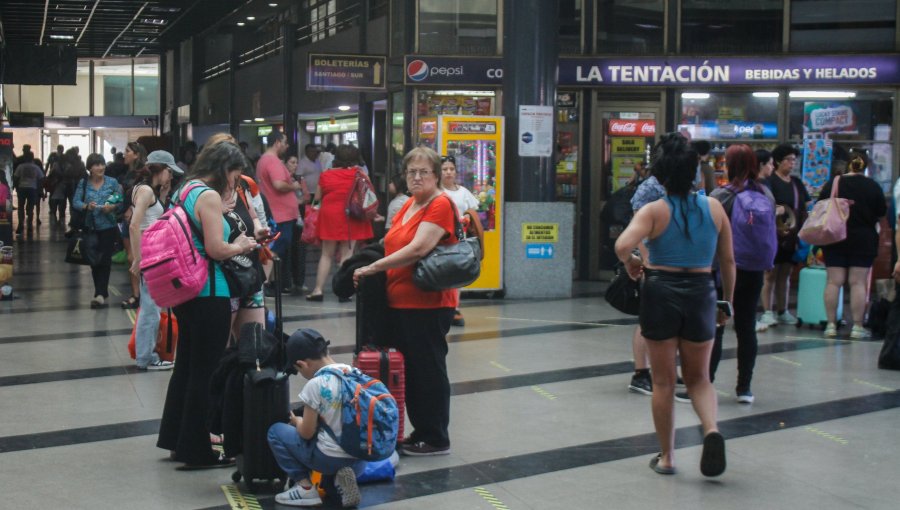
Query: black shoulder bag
pixel 450 266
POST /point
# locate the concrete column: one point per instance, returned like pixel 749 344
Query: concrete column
pixel 530 54
pixel 289 115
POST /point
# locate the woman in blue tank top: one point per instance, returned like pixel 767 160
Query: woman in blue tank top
pixel 205 321
pixel 683 233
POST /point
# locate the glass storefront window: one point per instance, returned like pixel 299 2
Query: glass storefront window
pixel 731 26
pixel 146 87
pixel 431 103
pixel 570 27
pixel 729 115
pixel 457 27
pixel 830 25
pixel 827 124
pixel 630 26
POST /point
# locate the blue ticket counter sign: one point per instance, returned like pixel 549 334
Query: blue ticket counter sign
pixel 539 251
pixel 345 72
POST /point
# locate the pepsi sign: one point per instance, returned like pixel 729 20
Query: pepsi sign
pixel 476 71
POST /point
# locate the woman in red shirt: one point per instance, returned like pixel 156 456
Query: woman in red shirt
pixel 421 319
pixel 337 230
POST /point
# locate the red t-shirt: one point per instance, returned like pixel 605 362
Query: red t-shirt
pixel 401 291
pixel 284 204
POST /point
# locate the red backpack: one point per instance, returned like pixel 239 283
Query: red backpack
pixel 362 202
pixel 174 269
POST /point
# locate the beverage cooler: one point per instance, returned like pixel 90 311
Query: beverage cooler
pixel 477 145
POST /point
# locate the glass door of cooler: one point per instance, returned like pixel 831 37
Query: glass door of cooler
pixel 625 134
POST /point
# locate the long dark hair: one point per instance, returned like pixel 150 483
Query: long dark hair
pixel 675 166
pixel 141 155
pixel 145 176
pixel 215 162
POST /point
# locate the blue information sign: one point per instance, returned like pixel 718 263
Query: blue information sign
pixel 539 251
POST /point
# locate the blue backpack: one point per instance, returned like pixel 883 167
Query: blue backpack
pixel 753 231
pixel 369 416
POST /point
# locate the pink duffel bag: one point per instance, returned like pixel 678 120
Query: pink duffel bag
pixel 827 223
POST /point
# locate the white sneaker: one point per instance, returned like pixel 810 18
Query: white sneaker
pixel 768 318
pixel 298 496
pixel 786 318
pixel 858 332
pixel 345 483
pixel 161 365
pixel 761 326
pixel 830 330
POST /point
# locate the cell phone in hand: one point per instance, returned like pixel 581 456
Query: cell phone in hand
pixel 725 307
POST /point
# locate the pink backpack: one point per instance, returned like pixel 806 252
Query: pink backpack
pixel 827 223
pixel 174 270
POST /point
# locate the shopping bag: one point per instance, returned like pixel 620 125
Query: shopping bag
pixel 311 226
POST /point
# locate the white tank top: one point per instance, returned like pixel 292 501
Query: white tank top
pixel 154 211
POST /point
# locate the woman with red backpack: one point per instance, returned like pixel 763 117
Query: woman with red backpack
pixel 751 208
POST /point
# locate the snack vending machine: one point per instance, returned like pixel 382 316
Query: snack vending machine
pixel 476 142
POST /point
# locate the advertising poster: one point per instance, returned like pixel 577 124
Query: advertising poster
pixel 816 166
pixel 829 118
pixel 626 151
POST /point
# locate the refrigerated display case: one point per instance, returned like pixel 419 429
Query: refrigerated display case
pixel 477 145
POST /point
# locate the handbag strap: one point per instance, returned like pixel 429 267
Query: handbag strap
pixel 796 195
pixel 834 189
pixel 457 226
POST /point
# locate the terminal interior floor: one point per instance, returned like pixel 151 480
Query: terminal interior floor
pixel 540 414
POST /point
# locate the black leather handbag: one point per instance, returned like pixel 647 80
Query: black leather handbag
pixel 242 275
pixel 623 293
pixel 450 266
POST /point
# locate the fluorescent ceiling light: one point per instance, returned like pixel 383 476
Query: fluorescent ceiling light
pixel 247 121
pixel 482 93
pixel 251 18
pixel 273 4
pixel 259 119
pixel 343 108
pixel 64 37
pixel 240 23
pixel 695 95
pixel 766 94
pixel 821 94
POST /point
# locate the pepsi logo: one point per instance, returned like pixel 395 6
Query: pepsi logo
pixel 417 70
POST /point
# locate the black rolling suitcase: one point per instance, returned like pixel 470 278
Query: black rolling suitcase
pixel 266 395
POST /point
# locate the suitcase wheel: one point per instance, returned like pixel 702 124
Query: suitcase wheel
pixel 236 476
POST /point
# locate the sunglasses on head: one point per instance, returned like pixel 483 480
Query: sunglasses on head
pixel 445 159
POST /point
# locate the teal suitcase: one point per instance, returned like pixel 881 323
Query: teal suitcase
pixel 811 298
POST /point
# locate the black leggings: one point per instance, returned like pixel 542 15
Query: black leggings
pixel 106 240
pixel 747 288
pixel 203 327
pixel 422 338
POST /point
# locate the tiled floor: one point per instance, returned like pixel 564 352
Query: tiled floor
pixel 541 417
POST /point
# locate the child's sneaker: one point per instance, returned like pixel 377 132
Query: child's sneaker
pixel 299 496
pixel 345 483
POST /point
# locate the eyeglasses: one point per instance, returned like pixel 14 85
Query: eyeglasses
pixel 411 174
pixel 445 159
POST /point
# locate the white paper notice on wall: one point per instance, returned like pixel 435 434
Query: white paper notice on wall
pixel 535 131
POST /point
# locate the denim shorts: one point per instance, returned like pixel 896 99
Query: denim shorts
pixel 679 305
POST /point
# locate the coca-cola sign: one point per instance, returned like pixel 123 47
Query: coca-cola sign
pixel 618 127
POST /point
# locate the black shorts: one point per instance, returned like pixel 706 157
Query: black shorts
pixel 679 305
pixel 840 256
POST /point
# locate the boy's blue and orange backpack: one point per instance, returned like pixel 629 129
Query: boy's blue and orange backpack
pixel 369 416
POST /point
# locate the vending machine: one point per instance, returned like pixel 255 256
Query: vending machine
pixel 476 142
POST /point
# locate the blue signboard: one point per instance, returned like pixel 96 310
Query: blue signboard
pixel 539 251
pixel 345 72
pixel 669 71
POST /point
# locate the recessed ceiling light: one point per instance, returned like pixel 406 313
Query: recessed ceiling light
pixel 64 37
pixel 273 4
pixel 246 121
pixel 251 18
pixel 240 23
pixel 343 108
pixel 259 119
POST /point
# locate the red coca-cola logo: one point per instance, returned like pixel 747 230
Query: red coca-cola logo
pixel 632 127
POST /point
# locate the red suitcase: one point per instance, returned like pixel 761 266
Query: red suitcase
pixel 382 363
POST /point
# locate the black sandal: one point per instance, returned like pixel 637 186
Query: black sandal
pixel 131 303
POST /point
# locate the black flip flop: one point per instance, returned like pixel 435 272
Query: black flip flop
pixel 654 465
pixel 712 462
